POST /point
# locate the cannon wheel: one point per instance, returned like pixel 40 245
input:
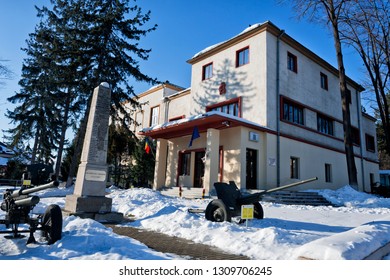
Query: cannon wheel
pixel 258 211
pixel 216 211
pixel 52 223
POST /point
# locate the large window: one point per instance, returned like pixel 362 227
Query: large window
pixel 292 112
pixel 242 57
pixel 292 62
pixel 231 107
pixel 154 113
pixel 207 71
pixel 325 124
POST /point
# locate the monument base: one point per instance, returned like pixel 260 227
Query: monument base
pixel 104 218
pixel 93 207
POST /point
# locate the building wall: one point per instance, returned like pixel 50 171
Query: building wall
pixel 262 84
pixel 247 81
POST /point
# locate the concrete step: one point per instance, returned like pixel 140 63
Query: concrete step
pixel 183 192
pixel 296 197
pixel 282 197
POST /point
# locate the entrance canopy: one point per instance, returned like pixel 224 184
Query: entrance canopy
pixel 183 127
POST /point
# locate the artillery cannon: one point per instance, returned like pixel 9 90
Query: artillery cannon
pixel 230 200
pixel 17 204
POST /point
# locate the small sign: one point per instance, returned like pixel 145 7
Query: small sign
pixel 247 212
pixel 26 182
pixel 253 136
pixel 95 175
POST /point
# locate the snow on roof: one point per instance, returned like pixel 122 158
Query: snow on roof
pixel 251 27
pixel 195 117
pixel 5 152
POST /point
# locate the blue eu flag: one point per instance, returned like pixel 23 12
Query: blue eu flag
pixel 195 134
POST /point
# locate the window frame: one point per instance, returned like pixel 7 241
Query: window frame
pixel 325 124
pixel 154 118
pixel 355 134
pixel 207 74
pixel 370 143
pixel 227 104
pixel 324 81
pixel 292 62
pixel 328 173
pixel 246 57
pixel 294 168
pixel 185 163
pixel 293 109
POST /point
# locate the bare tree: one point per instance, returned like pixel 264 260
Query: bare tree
pixel 329 12
pixel 366 27
pixel 5 73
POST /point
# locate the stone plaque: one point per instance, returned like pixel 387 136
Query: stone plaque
pixel 95 175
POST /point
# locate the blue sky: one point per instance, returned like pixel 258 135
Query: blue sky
pixel 184 28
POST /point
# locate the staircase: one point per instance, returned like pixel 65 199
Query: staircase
pixel 297 198
pixel 282 197
pixel 182 192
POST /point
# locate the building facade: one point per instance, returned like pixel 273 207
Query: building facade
pixel 263 111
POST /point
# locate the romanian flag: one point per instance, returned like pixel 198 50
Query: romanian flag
pixel 147 146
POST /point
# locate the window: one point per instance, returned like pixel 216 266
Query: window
pixel 231 107
pixel 154 112
pixel 242 57
pixel 325 124
pixel 292 62
pixel 348 96
pixel 355 136
pixel 370 143
pixel 294 168
pixel 292 112
pixel 324 81
pixel 328 173
pixel 185 160
pixel 207 72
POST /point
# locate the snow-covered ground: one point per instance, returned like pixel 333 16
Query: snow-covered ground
pixel 288 232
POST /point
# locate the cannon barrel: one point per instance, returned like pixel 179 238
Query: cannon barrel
pixel 28 201
pixel 20 192
pixel 249 199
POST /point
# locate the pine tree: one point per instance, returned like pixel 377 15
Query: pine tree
pixel 37 115
pixel 142 171
pixel 77 45
pixel 121 144
pixel 107 33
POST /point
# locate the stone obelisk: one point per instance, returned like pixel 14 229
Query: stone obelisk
pixel 88 199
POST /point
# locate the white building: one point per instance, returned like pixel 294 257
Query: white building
pixel 268 112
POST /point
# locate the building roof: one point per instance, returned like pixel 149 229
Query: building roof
pixel 6 152
pixel 161 86
pixel 184 127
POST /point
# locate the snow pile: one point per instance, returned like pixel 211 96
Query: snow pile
pixel 348 196
pixel 287 232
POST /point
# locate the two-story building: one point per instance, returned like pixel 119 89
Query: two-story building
pixel 263 111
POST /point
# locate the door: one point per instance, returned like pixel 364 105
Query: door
pixel 199 169
pixel 251 169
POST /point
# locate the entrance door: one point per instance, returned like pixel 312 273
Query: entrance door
pixel 251 169
pixel 199 169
